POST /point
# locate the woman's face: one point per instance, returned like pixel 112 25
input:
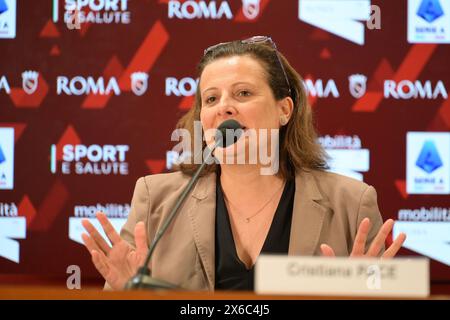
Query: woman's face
pixel 236 88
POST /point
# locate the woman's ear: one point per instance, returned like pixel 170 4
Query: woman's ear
pixel 285 106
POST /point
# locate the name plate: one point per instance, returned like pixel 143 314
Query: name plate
pixel 342 276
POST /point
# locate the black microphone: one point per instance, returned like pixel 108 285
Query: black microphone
pixel 227 130
pixel 143 278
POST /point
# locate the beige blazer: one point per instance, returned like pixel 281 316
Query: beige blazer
pixel 327 209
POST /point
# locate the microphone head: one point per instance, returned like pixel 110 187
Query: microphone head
pixel 228 133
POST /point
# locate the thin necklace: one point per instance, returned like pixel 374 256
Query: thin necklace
pixel 247 219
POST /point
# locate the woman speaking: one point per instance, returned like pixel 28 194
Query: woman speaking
pixel 237 211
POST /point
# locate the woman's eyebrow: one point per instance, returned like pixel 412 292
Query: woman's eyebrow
pixel 242 82
pixel 233 85
pixel 208 89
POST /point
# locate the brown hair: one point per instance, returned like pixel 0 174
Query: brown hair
pixel 299 148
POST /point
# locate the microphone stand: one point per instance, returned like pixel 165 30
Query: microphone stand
pixel 143 278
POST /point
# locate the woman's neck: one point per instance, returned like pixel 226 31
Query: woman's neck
pixel 246 182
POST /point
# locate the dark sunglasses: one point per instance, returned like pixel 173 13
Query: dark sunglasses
pixel 257 40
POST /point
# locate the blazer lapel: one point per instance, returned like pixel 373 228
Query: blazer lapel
pixel 308 215
pixel 202 215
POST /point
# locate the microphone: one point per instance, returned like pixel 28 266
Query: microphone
pixel 143 278
pixel 227 128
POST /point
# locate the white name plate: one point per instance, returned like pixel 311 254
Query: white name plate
pixel 342 276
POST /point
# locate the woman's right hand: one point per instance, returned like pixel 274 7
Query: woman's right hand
pixel 117 264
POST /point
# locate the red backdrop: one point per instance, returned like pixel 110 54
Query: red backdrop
pixel 131 122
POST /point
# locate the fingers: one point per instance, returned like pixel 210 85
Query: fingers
pixel 327 251
pixel 361 237
pixel 377 244
pixel 395 246
pixel 140 238
pixel 98 257
pixel 380 238
pixel 108 273
pixel 111 233
pixel 89 243
pixel 100 243
pixel 100 263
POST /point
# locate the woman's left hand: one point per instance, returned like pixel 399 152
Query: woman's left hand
pixel 374 250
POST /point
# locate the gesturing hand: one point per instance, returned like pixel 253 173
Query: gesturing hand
pixel 377 244
pixel 117 264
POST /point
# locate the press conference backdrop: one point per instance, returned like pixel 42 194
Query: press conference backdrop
pixel 90 92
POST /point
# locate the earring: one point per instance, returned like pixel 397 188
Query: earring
pixel 283 120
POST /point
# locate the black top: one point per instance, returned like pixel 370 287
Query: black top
pixel 231 272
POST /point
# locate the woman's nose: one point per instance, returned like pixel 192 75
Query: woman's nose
pixel 226 107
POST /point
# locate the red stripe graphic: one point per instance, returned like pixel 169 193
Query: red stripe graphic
pixel 143 61
pixel 413 64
